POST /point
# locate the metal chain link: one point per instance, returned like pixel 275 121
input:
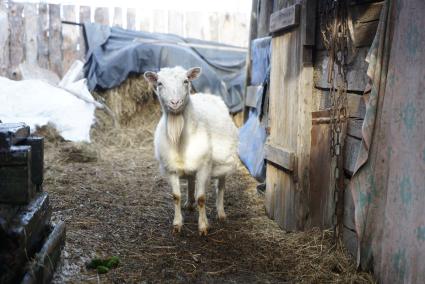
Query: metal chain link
pixel 336 37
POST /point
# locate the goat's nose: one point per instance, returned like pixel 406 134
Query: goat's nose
pixel 175 102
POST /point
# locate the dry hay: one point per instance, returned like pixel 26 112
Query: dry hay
pixel 120 206
pixel 128 99
pixel 78 152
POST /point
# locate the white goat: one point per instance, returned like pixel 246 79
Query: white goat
pixel 195 139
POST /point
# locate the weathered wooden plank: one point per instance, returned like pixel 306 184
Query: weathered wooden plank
pixel 354 127
pixel 4 41
pixel 321 197
pixel 356 71
pixel 43 268
pixel 101 16
pixel 366 12
pixel 37 159
pixel 131 19
pixel 285 19
pixel 70 35
pixel 23 238
pixel 160 21
pixel 356 105
pixel 85 14
pixel 285 197
pixel 363 33
pixel 351 151
pixel 193 25
pixel 213 26
pixel 349 208
pixel 176 22
pixel 17 39
pixel 145 17
pixel 233 29
pixel 30 26
pixel 118 17
pixel 42 36
pixel 55 39
pixel 279 156
pixel 263 20
pixel 16 186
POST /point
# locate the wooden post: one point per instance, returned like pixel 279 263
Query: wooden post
pixel 85 14
pixel 193 25
pixel 131 19
pixel 4 41
pixel 176 23
pixel 101 16
pixel 117 22
pixel 17 37
pixel 55 39
pixel 160 21
pixel 70 35
pixel 30 21
pixel 266 8
pixel 42 38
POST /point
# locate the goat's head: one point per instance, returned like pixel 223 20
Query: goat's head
pixel 172 85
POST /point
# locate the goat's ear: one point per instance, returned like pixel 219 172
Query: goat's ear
pixel 151 77
pixel 193 73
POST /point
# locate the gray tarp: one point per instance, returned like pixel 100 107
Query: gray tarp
pixel 114 53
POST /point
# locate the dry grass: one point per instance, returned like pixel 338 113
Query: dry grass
pixel 119 205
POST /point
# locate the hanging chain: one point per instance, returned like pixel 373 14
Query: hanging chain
pixel 336 37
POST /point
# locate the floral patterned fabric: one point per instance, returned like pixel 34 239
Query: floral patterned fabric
pixel 388 185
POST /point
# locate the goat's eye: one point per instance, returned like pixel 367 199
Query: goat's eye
pixel 159 84
pixel 186 82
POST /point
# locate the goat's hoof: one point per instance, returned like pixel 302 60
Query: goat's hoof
pixel 177 229
pixel 222 217
pixel 203 231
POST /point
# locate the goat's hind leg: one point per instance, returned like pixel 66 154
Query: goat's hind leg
pixel 190 202
pixel 202 180
pixel 219 202
pixel 178 218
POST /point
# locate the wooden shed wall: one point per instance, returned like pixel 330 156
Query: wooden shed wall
pixel 300 181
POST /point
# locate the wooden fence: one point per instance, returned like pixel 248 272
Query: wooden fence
pixel 48 35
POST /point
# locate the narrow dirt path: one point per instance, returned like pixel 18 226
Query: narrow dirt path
pixel 120 206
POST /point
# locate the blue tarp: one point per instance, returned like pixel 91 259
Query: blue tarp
pixel 114 53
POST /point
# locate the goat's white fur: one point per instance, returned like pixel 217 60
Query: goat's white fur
pixel 198 143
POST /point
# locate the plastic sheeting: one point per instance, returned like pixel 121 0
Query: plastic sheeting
pixel 260 54
pixel 252 136
pixel 114 53
pixel 38 103
pixel 388 186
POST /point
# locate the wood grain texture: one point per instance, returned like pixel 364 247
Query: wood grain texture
pixel 176 22
pixel 31 31
pixel 285 19
pixel 356 71
pixel 42 36
pixel 16 39
pixel 101 16
pixel 70 34
pixel 55 40
pixel 4 41
pixel 85 14
pixel 131 19
pixel 280 157
pixel 118 17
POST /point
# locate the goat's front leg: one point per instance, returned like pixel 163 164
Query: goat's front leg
pixel 202 179
pixel 178 218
